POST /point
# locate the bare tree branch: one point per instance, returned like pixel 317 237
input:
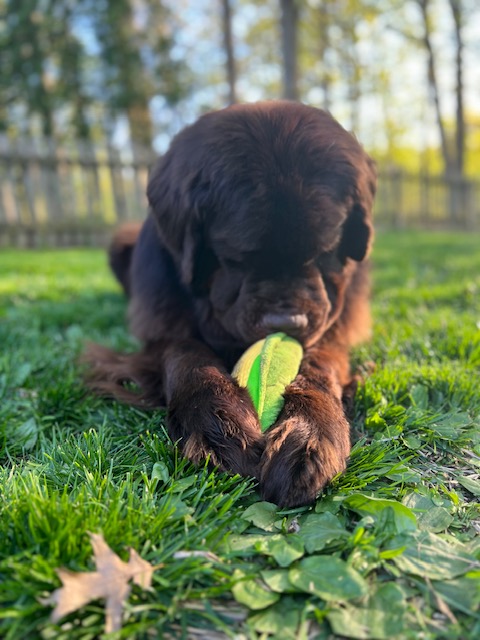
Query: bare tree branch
pixel 229 51
pixel 289 28
pixel 433 82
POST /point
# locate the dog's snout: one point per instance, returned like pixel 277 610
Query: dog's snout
pixel 284 321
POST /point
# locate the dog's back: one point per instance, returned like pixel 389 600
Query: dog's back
pixel 120 252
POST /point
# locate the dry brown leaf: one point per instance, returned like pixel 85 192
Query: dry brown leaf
pixel 442 605
pixel 109 582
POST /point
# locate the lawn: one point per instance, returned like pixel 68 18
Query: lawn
pixel 391 550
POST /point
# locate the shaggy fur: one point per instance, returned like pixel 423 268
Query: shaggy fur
pixel 260 221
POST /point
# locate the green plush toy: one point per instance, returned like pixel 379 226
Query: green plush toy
pixel 266 369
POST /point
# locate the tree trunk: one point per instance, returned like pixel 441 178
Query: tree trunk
pixel 433 84
pixel 229 52
pixel 46 114
pixel 289 28
pixel 80 122
pixel 455 6
pixel 140 122
pixel 325 80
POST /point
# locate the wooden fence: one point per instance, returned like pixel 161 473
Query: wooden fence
pixel 75 194
pixel 68 195
pixel 427 201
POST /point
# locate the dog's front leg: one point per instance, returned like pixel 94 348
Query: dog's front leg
pixel 208 413
pixel 310 442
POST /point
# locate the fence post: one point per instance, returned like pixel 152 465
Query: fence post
pixel 115 166
pixel 397 190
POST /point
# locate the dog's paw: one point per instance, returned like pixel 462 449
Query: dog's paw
pixel 218 421
pixel 300 458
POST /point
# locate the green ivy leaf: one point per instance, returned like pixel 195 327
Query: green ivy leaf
pixel 160 472
pixel 277 580
pixel 283 549
pixel 450 425
pixel 328 578
pixel 20 374
pixel 246 542
pixel 253 593
pixel 430 556
pixel 404 518
pixel 470 484
pixel 462 594
pixel 24 436
pixel 281 620
pixel 263 515
pixel 436 519
pixel 419 396
pixel 412 442
pixel 382 618
pixel 375 422
pixel 317 530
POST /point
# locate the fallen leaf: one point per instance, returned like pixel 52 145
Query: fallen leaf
pixel 110 582
pixel 442 605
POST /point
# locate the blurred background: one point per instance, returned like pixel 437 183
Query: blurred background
pixel 91 91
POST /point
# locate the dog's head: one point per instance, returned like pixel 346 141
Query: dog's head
pixel 264 209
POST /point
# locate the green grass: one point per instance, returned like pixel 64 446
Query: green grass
pixel 390 551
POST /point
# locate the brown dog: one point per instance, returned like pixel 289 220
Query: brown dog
pixel 260 221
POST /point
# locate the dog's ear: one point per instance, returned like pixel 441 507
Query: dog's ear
pixel 198 261
pixel 178 196
pixel 357 232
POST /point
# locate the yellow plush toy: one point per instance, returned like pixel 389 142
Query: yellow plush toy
pixel 266 369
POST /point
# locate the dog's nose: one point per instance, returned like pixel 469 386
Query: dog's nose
pixel 284 321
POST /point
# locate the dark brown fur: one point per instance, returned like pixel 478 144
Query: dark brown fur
pixel 260 220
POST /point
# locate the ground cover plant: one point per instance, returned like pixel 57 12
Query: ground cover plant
pixel 391 550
